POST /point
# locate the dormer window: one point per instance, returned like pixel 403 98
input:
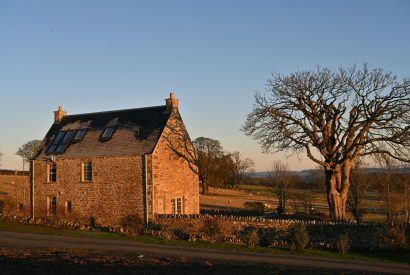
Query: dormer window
pixel 80 135
pixel 107 134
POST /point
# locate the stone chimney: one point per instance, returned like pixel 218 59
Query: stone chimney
pixel 172 103
pixel 59 114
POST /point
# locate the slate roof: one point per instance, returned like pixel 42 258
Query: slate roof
pixel 136 132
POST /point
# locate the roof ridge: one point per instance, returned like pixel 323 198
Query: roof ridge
pixel 113 111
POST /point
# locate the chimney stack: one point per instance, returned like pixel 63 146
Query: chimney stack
pixel 59 114
pixel 172 103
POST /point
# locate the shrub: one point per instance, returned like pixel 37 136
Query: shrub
pixel 393 237
pixel 250 236
pixel 133 223
pixel 267 236
pixel 92 223
pixel 167 233
pixel 342 243
pixel 181 234
pixel 255 206
pixel 212 228
pixel 298 236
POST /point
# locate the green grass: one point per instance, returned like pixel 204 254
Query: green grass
pixel 376 256
pixel 38 229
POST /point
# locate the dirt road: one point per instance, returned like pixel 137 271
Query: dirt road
pixel 35 241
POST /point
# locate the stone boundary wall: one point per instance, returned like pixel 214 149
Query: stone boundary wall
pixel 252 219
pixel 273 232
pixel 14 172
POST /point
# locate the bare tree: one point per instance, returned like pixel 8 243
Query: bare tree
pixel 280 177
pixel 359 185
pixel 335 117
pixel 240 167
pixel 28 150
pixel 1 155
pixel 207 151
pixel 393 188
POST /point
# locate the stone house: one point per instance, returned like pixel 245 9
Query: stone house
pixel 111 165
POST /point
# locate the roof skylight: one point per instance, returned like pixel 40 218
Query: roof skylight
pixel 107 134
pixel 80 135
pixel 60 142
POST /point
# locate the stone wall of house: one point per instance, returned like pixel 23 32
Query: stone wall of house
pixel 172 176
pixel 115 192
pixel 14 193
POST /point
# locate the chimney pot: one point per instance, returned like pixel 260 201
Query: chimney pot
pixel 59 114
pixel 171 103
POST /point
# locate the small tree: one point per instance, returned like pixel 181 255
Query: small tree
pixel 298 236
pixel 1 155
pixel 240 167
pixel 28 150
pixel 281 181
pixel 222 171
pixel 393 190
pixel 207 152
pixel 359 184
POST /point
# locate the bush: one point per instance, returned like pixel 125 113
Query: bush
pixel 181 234
pixel 212 228
pixel 267 236
pixel 250 236
pixel 393 237
pixel 298 236
pixel 255 206
pixel 92 223
pixel 342 243
pixel 134 224
pixel 167 233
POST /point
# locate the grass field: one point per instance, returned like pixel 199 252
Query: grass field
pixel 221 198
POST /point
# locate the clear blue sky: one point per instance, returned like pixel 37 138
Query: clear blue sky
pixel 103 55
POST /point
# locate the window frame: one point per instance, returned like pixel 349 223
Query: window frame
pixel 87 172
pixel 20 207
pixel 51 208
pixel 177 206
pixel 49 172
pixel 68 206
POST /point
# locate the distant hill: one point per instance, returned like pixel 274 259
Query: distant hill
pixel 302 173
pixel 310 172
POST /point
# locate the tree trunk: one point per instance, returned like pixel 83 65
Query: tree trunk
pixel 337 206
pixel 337 186
pixel 204 185
pixel 281 207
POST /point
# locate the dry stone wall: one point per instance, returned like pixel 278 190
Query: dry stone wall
pixel 273 232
